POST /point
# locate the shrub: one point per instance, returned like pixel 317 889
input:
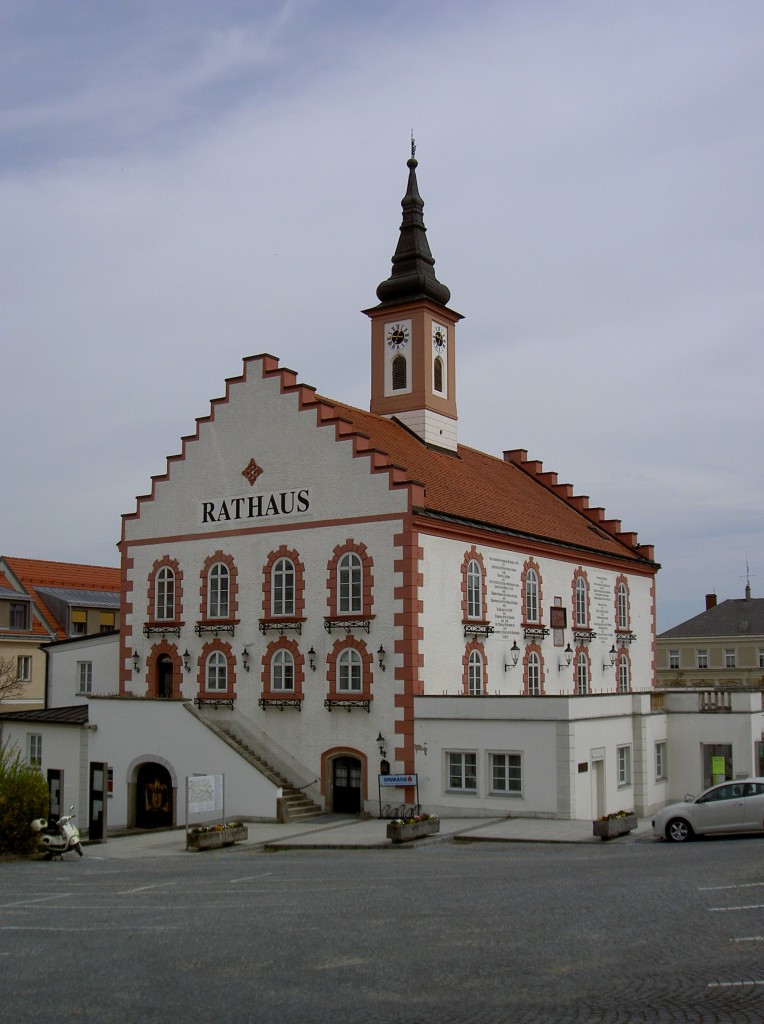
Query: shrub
pixel 23 797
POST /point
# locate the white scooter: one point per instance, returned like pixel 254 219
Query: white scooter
pixel 56 840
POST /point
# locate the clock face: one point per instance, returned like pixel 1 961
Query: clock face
pixel 397 335
pixel 439 337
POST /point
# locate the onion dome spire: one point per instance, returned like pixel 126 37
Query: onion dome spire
pixel 413 275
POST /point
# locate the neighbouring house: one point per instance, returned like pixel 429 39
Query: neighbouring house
pixel 42 600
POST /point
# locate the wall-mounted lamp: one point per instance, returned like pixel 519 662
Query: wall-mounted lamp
pixel 312 660
pixel 245 659
pixel 568 652
pixel 514 651
pixel 612 654
pixel 381 657
pixel 381 743
pixel 186 660
pixel 136 661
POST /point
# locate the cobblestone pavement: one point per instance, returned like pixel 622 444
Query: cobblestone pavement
pixel 601 933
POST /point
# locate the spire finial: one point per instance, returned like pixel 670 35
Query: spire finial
pixel 413 145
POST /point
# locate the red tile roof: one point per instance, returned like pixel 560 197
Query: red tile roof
pixel 33 573
pixel 511 494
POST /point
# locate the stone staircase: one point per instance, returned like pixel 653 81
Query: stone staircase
pixel 293 805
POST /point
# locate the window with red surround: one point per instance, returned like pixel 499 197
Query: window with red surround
pixel 284 586
pixel 219 589
pixel 349 582
pixel 622 608
pixel 474 599
pixel 349 670
pixel 474 671
pixel 583 669
pixel 165 592
pixel 533 671
pixel 530 582
pixel 283 671
pixel 580 599
pixel 216 671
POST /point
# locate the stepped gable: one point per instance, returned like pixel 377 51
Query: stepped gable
pixel 512 494
pixel 32 573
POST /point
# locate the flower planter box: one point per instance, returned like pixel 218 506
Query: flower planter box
pixel 614 827
pixel 405 833
pixel 214 840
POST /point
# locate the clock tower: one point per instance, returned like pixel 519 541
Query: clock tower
pixel 413 366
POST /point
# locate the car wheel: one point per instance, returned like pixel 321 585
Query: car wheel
pixel 678 830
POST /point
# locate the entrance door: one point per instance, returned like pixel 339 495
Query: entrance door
pixel 164 676
pixel 717 763
pixel 346 788
pixel 153 794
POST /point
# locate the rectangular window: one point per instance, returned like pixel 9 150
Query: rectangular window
pixel 673 659
pixel 730 657
pixel 84 677
pixel 623 760
pixel 108 622
pixel 34 749
pixel 18 616
pixel 79 622
pixel 24 668
pixel 661 764
pixel 462 772
pixel 761 657
pixel 506 773
pixel 702 655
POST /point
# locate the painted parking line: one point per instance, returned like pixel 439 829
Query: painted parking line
pixel 749 906
pixel 750 938
pixel 716 888
pixel 734 984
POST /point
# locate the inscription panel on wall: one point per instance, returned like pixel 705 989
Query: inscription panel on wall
pixel 504 595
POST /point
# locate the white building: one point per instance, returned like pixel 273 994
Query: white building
pixel 339 593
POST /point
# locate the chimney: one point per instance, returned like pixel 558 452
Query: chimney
pixel 710 601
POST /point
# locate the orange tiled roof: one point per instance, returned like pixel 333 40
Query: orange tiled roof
pixel 501 494
pixel 33 573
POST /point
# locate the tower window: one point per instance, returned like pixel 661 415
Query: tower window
pixel 399 373
pixel 437 375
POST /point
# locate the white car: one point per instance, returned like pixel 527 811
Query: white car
pixel 727 807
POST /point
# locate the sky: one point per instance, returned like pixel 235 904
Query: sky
pixel 184 184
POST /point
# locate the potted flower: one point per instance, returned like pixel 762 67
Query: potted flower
pixel 403 830
pixel 616 824
pixel 210 837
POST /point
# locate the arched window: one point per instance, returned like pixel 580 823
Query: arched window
pixel 350 584
pixel 475 673
pixel 217 672
pixel 437 375
pixel 165 594
pixel 474 590
pixel 218 591
pixel 283 587
pixel 399 373
pixel 531 596
pixel 349 671
pixel 582 673
pixel 282 671
pixel 623 673
pixel 534 674
pixel 582 603
pixel 622 606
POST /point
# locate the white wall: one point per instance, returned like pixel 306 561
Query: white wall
pixel 63 671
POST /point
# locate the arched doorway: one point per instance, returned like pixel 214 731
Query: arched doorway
pixel 346 785
pixel 164 670
pixel 153 797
